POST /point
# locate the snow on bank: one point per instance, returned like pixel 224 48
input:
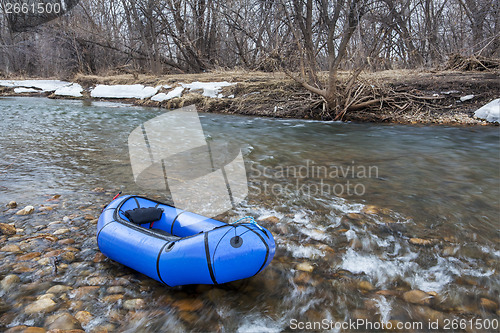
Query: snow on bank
pixel 490 112
pixel 177 92
pixel 210 89
pixel 21 90
pixel 44 85
pixel 123 91
pixel 72 90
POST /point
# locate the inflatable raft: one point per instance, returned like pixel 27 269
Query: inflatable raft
pixel 177 247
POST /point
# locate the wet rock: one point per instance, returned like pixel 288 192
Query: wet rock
pixel 62 321
pixel 355 216
pixel 450 251
pixel 116 290
pixel 61 231
pixel 97 281
pixel 12 204
pixel 188 305
pixel 84 291
pixel 25 329
pixel 387 293
pixel 84 317
pixel 9 281
pixel 10 248
pixel 133 304
pixel 68 241
pixel 424 313
pixel 29 256
pixel 53 253
pixel 26 210
pixel 270 219
pixel 68 256
pixel 215 295
pixel 7 229
pixel 370 209
pixel 57 289
pixel 488 304
pixel 99 190
pixel 366 285
pixel 417 297
pixel 113 298
pixel 422 242
pixel 99 257
pixel 43 305
pixel 89 217
pixel 305 266
pixel 49 295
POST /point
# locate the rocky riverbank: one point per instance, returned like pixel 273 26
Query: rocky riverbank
pixel 54 279
pixel 415 97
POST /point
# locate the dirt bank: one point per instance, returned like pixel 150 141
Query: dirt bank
pixel 406 96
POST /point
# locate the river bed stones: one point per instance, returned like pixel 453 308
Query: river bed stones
pixel 43 305
pixel 188 305
pixel 12 204
pixel 417 297
pixel 26 210
pixel 62 321
pixel 7 229
pixel 10 248
pixel 305 267
pixel 9 281
pixel 488 304
pixel 58 289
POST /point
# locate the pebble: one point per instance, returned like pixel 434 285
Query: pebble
pixel 12 204
pixel 489 304
pixel 132 304
pixel 7 229
pixel 29 256
pixel 417 297
pixel 10 248
pixel 84 291
pixel 57 289
pixel 62 321
pixel 355 216
pixel 116 290
pixel 366 285
pixel 43 305
pixel 370 209
pixel 113 298
pixel 188 305
pixel 84 317
pixel 26 210
pixel 26 329
pixel 9 281
pixel 99 257
pixel 305 266
pixel 421 241
pixel 61 231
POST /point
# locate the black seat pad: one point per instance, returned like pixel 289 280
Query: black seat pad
pixel 144 215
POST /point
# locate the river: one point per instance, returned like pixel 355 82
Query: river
pixel 376 222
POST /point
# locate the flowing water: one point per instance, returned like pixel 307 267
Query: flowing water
pixel 364 215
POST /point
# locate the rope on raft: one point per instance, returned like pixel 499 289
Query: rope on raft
pixel 252 220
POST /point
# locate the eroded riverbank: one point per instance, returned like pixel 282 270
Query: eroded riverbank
pixel 411 97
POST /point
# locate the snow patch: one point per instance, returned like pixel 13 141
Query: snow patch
pixel 210 89
pixel 73 90
pixel 123 91
pixel 44 85
pixel 490 112
pixel 21 90
pixel 177 92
